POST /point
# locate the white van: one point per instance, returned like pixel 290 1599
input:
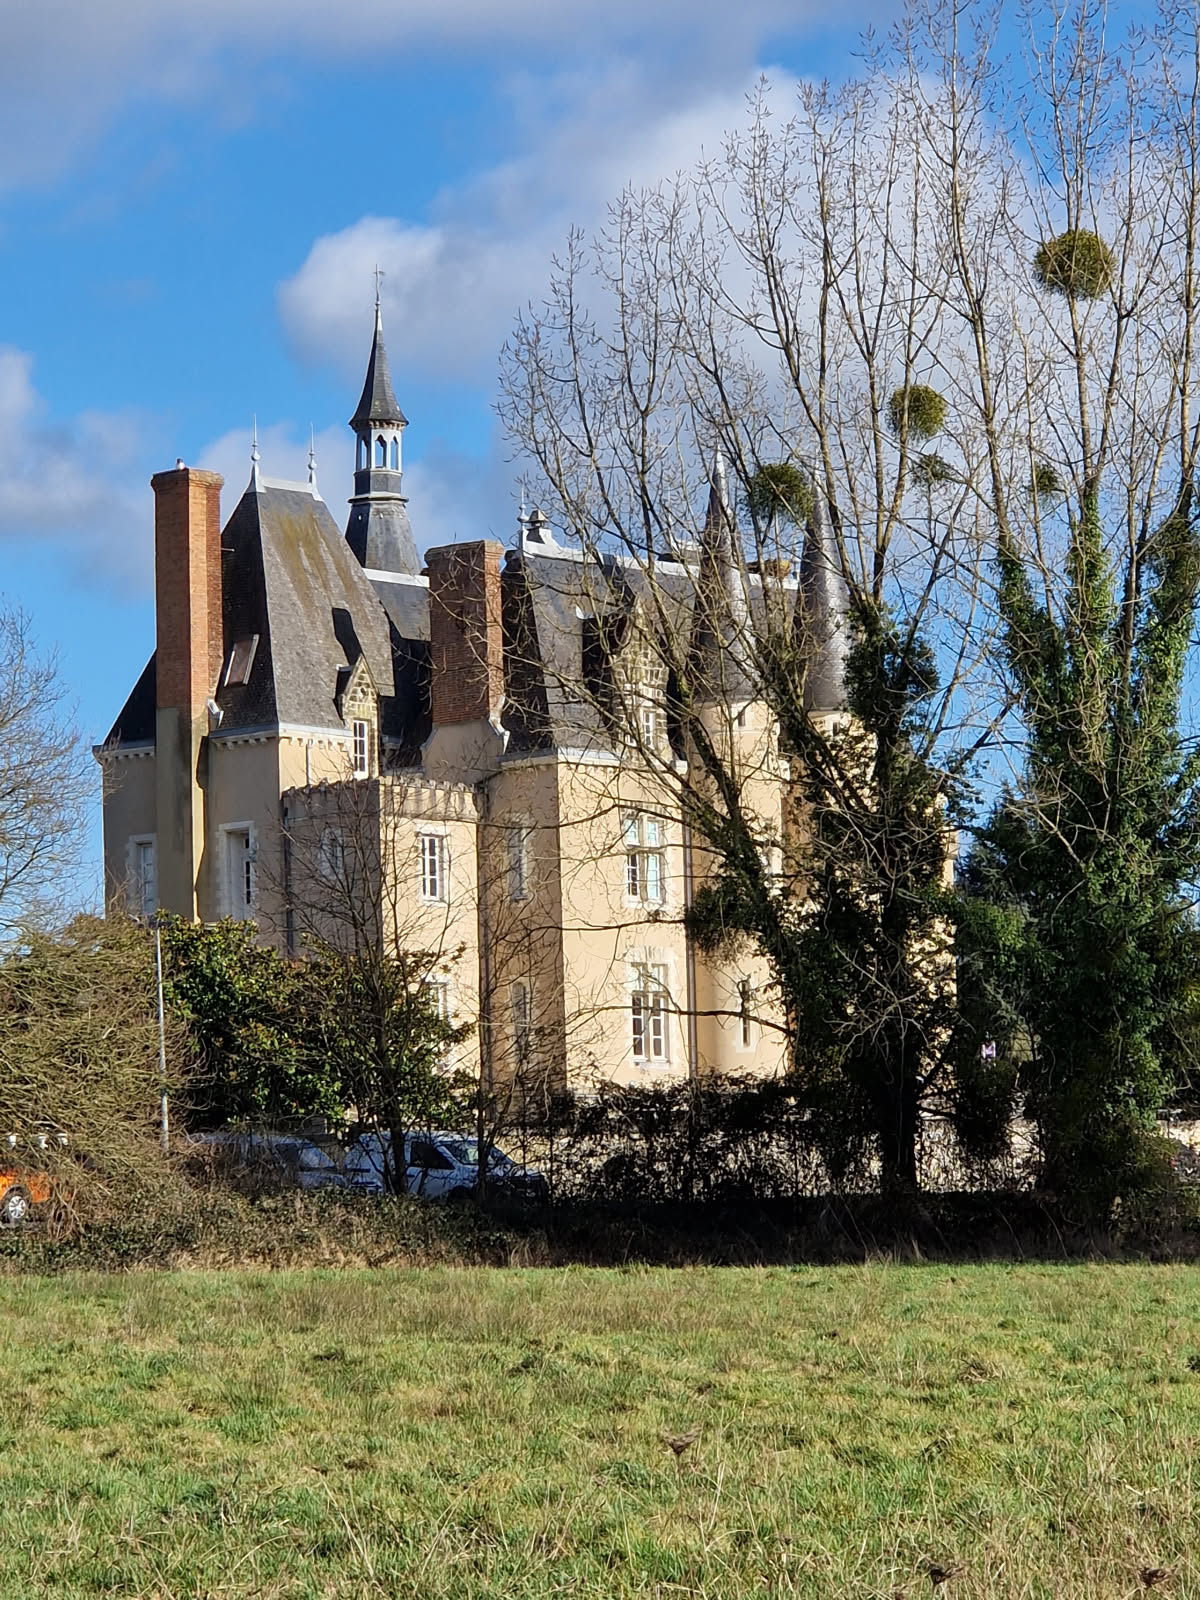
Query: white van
pixel 440 1165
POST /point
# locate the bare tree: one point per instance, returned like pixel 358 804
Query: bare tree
pixel 44 776
pixel 878 310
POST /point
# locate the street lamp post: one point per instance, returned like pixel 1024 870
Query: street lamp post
pixel 164 1115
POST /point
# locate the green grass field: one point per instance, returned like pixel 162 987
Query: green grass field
pixel 503 1433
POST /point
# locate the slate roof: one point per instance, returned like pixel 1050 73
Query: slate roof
pixel 722 634
pixel 378 401
pixel 135 723
pixel 288 576
pixel 563 618
pixel 564 615
pixel 378 530
pixel 823 614
pixel 405 720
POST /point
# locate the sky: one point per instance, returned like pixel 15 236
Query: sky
pixel 193 198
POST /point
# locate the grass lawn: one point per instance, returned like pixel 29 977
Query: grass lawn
pixel 503 1433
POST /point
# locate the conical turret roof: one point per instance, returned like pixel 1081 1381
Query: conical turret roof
pixel 721 619
pixel 378 402
pixel 823 614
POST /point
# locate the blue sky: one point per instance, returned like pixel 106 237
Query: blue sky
pixel 192 198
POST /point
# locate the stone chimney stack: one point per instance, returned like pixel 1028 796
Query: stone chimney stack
pixel 188 653
pixel 466 647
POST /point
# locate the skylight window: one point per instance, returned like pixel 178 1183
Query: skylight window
pixel 241 659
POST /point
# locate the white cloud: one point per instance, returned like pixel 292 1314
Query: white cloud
pixel 72 483
pixel 455 496
pixel 283 452
pixel 453 286
pixel 69 67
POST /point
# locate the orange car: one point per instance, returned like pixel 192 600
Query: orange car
pixel 20 1191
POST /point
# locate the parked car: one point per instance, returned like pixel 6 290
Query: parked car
pixel 440 1166
pixel 287 1158
pixel 21 1189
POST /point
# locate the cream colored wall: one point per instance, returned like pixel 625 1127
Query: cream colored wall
pixel 377 824
pixel 576 940
pixel 607 935
pixel 579 938
pixel 748 749
pixel 522 936
pixel 128 788
pixel 447 930
pixel 243 788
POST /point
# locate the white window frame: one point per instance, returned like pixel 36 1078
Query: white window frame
pixel 433 854
pixel 239 883
pixel 135 876
pixel 650 1015
pixel 746 1024
pixel 440 989
pixel 360 747
pixel 518 838
pixel 331 855
pixel 644 838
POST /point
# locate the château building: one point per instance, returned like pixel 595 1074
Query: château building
pixel 337 736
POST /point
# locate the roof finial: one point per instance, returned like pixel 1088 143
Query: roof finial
pixel 254 456
pixel 312 458
pixel 522 514
pixel 380 275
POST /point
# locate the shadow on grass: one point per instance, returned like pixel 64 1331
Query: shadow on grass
pixel 214 1228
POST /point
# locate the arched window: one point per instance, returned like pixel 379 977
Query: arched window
pixel 362 453
pixel 381 452
pixel 394 453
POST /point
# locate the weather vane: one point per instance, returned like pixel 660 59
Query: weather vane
pixel 380 275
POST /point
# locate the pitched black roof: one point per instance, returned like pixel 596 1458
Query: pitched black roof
pixel 405 719
pixel 136 722
pixel 823 614
pixel 379 532
pixel 721 626
pixel 289 577
pixel 378 402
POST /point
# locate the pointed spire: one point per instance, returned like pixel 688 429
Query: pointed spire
pixel 312 458
pixel 823 612
pixel 378 530
pixel 255 482
pixel 378 401
pixel 721 624
pixel 720 513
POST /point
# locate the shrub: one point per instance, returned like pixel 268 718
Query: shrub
pixel 779 490
pixel 79 1050
pixel 931 471
pixel 1077 264
pixel 1046 483
pixel 923 408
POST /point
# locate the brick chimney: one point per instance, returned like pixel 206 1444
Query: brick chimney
pixel 187 585
pixel 188 651
pixel 466 648
pixel 465 634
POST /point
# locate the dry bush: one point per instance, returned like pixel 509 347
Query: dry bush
pixel 79 1056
